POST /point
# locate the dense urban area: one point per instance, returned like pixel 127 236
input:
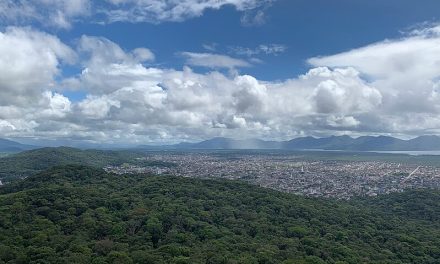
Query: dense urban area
pixel 294 173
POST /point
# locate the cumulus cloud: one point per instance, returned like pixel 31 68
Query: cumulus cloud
pixel 342 90
pixel 405 71
pixel 389 87
pixel 343 121
pixel 416 55
pixel 106 67
pixel 103 51
pixel 138 101
pixel 143 55
pixel 54 105
pixel 29 62
pixel 97 107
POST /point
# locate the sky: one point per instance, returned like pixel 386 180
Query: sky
pixel 131 72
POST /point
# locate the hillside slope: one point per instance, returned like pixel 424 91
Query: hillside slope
pixel 30 162
pixel 12 146
pixel 77 214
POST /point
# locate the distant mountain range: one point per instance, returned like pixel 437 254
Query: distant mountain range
pixel 347 143
pixel 365 143
pixel 12 146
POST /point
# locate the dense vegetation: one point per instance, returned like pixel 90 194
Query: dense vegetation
pixel 30 162
pixel 77 214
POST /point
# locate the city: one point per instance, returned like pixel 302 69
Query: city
pixel 294 173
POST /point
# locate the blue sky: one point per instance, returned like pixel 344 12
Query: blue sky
pixel 308 28
pixel 139 71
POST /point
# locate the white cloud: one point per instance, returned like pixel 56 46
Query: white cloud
pixel 129 101
pixel 342 90
pixel 6 126
pixel 212 47
pixel 263 49
pixel 54 105
pixel 137 101
pixel 388 87
pixel 102 50
pixel 143 54
pixel 211 60
pixel 108 68
pixel 344 121
pixel 64 13
pixel 156 11
pixel 415 55
pixel 56 13
pixel 29 62
pixel 253 18
pixel 97 107
pixel 405 71
pixel 273 49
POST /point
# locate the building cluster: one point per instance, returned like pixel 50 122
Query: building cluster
pixel 132 169
pixel 295 174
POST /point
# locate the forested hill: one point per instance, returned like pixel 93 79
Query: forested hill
pixel 77 214
pixel 30 162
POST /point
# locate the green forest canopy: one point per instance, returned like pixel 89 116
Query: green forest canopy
pixel 76 214
pixel 30 162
